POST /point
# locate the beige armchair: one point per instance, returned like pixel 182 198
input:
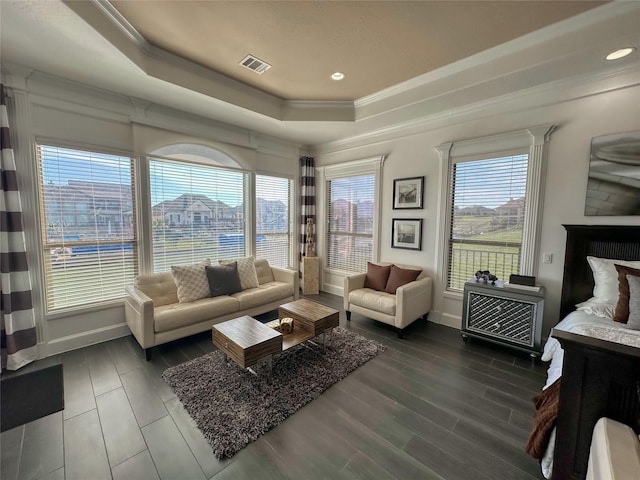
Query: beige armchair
pixel 410 301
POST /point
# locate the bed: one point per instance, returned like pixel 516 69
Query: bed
pixel 597 358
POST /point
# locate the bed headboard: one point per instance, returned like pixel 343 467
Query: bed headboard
pixel 621 242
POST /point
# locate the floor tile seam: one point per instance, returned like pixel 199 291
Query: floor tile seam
pixel 204 475
pixel 464 463
pixel 496 459
pixel 512 379
pixel 497 435
pixel 23 428
pixel 528 371
pixel 127 395
pixel 515 398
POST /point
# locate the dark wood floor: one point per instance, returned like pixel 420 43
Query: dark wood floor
pixel 429 407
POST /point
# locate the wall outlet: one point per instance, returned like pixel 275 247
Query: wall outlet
pixel 547 258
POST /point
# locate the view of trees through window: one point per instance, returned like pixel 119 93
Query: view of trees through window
pixel 487 220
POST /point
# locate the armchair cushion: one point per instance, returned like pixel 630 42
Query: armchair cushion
pixel 400 276
pixel 377 276
pixel 380 301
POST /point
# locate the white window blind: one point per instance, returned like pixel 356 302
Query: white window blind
pixel 350 207
pixel 197 212
pixel 487 217
pixel 88 224
pixel 273 230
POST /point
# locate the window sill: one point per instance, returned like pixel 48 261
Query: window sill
pixel 83 310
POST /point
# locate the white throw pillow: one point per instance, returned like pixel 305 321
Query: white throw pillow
pixel 605 277
pixel 593 307
pixel 634 302
pixel 246 271
pixel 191 281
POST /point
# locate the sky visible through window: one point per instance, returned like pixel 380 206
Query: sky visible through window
pixel 500 179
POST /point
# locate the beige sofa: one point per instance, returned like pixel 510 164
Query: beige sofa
pixel 155 316
pixel 410 302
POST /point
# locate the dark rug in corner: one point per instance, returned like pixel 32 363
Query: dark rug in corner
pixel 29 395
pixel 232 407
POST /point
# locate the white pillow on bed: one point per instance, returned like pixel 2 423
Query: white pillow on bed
pixel 634 302
pixel 599 309
pixel 605 278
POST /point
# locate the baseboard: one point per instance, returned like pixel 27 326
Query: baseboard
pixel 83 339
pixel 446 319
pixel 333 289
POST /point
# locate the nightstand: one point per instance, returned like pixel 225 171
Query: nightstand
pixel 507 316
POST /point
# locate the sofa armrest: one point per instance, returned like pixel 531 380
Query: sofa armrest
pixel 351 283
pixel 286 275
pixel 413 300
pixel 138 311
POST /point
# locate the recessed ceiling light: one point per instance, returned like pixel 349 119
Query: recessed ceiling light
pixel 623 52
pixel 337 76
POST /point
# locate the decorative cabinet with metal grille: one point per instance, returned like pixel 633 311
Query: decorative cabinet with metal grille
pixel 503 315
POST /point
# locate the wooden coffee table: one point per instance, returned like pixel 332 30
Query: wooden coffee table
pixel 247 341
pixel 310 319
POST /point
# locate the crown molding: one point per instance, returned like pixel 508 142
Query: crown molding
pixel 535 97
pixel 515 46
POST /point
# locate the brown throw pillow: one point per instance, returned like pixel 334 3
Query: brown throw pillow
pixel 398 277
pixel 377 276
pixel 621 313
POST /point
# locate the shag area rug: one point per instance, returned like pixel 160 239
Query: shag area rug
pixel 232 407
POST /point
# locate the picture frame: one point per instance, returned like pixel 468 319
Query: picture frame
pixel 407 233
pixel 408 193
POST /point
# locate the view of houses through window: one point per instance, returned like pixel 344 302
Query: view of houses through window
pixel 88 225
pixel 350 228
pixel 89 220
pixel 487 220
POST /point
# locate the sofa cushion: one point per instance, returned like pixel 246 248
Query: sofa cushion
pixel 246 270
pixel 400 276
pixel 223 279
pixel 377 276
pixel 191 281
pixel 266 293
pixel 176 315
pixel 263 271
pixel 159 287
pixel 382 302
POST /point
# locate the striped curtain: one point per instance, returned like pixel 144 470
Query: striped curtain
pixel 18 334
pixel 307 198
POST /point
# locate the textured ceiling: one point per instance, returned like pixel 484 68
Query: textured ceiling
pixel 376 44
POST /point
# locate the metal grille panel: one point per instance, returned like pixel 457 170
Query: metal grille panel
pixel 502 317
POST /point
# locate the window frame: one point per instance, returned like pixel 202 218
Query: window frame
pixel 366 166
pixel 291 227
pixel 44 245
pixel 535 139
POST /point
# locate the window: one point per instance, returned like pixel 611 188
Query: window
pixel 487 219
pixel 352 214
pixel 491 208
pixel 197 212
pixel 273 226
pixel 88 226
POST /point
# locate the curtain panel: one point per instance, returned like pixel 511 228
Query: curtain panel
pixel 307 199
pixel 18 336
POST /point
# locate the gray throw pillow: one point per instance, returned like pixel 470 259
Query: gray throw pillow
pixel 223 279
pixel 634 302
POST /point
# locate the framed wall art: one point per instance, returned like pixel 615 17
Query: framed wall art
pixel 407 233
pixel 408 193
pixel 613 187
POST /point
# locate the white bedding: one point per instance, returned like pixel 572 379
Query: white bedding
pixel 582 323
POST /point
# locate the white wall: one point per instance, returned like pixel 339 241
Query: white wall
pixel 51 109
pixel 578 120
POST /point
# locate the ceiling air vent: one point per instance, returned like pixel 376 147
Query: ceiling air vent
pixel 255 64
